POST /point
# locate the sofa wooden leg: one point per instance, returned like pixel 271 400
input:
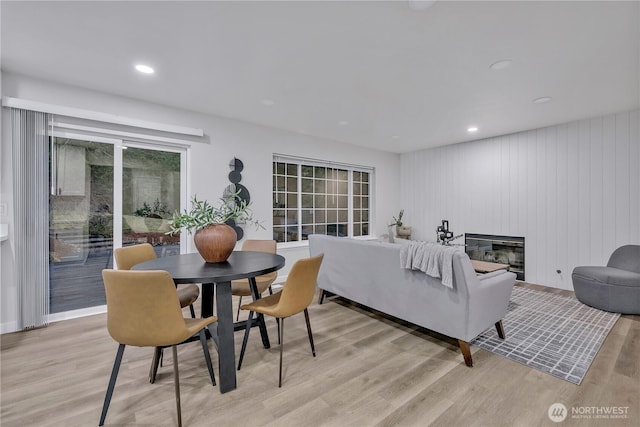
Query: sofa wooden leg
pixel 500 329
pixel 466 353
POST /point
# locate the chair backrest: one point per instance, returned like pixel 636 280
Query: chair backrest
pixel 129 256
pixel 143 308
pixel 269 246
pixel 626 258
pixel 298 290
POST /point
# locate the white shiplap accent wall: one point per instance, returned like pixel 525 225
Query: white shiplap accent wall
pixel 572 190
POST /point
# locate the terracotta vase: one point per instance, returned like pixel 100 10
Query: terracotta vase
pixel 215 242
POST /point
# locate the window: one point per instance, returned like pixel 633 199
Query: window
pixel 319 197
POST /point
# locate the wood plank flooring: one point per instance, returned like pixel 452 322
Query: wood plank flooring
pixel 369 371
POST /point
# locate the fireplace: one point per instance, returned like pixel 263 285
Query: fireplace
pixel 500 249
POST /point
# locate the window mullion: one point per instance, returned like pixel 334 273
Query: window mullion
pixel 350 202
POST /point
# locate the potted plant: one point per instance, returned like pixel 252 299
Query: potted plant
pixel 214 239
pixel 401 230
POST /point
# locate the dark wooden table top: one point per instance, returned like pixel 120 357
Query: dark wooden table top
pixel 191 268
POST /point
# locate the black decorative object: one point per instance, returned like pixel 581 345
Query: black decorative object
pixel 235 177
pixel 443 235
pixel 243 195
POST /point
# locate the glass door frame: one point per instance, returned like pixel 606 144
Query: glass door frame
pixel 118 145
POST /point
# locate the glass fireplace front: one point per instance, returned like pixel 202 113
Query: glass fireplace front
pixel 500 249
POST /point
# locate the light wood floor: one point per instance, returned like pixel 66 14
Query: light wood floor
pixel 369 371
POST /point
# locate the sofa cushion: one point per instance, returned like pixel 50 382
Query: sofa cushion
pixel 608 275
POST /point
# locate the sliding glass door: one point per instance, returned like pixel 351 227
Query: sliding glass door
pixel 106 193
pixel 81 206
pixel 151 183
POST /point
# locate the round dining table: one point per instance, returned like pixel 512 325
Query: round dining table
pixel 191 268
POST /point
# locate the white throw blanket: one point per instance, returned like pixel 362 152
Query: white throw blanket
pixel 433 259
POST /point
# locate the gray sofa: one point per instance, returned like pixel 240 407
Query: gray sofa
pixel 369 273
pixel 614 288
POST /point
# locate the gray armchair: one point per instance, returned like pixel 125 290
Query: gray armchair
pixel 614 288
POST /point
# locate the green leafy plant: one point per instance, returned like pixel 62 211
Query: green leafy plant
pixel 398 221
pixel 101 225
pixel 203 213
pixel 158 210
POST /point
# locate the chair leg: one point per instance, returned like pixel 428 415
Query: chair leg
pixel 322 294
pixel 306 317
pixel 281 349
pixel 112 383
pixel 239 304
pixel 193 311
pixel 500 329
pixel 157 353
pixel 245 339
pixel 277 320
pixel 176 381
pixel 207 356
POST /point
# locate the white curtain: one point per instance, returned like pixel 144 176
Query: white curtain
pixel 30 147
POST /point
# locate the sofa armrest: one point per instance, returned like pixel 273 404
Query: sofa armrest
pixel 488 301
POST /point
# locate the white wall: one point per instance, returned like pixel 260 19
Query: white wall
pixel 572 190
pixel 224 140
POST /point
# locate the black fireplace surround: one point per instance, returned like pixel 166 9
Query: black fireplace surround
pixel 500 249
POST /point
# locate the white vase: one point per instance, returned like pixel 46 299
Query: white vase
pixel 403 231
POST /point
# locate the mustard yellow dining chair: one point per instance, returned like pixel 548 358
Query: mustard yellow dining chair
pixel 241 287
pixel 133 318
pixel 129 256
pixel 295 296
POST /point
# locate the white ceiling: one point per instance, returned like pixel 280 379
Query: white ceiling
pixel 422 76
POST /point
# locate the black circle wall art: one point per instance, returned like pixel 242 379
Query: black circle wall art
pixel 243 195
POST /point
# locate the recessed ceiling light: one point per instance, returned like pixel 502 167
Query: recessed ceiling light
pixel 145 69
pixel 395 136
pixel 343 122
pixel 472 129
pixel 542 100
pixel 501 65
pixel 267 102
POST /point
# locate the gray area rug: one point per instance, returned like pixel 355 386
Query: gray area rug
pixel 552 333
